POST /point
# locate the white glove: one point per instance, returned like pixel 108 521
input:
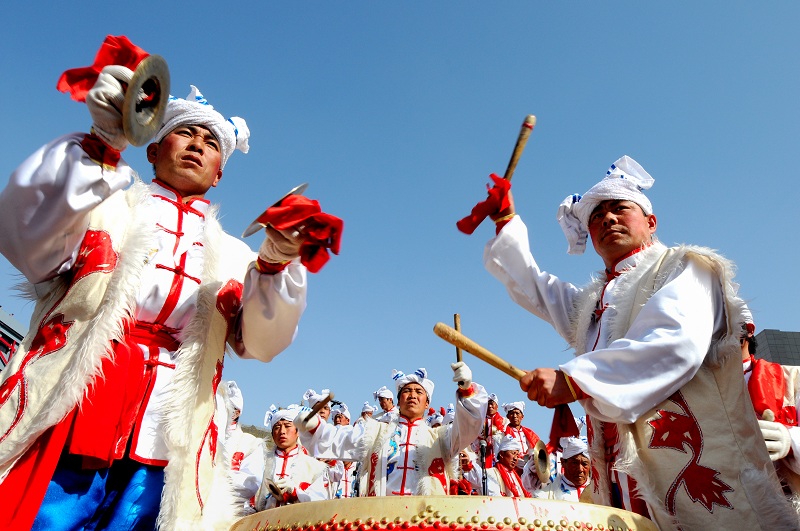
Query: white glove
pixel 280 245
pixel 105 101
pixel 285 484
pixel 777 438
pixel 462 375
pixel 306 426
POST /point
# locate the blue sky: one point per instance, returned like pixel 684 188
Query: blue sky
pixel 396 113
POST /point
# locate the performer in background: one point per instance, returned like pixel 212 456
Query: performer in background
pixel 111 398
pixel 656 335
pixel 385 400
pixel 404 457
pixel 567 482
pixel 290 476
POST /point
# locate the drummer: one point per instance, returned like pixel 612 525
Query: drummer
pixel 290 476
pixel 569 483
pixel 404 457
pixel 502 479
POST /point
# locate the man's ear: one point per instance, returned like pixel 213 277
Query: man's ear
pixel 152 152
pixel 218 179
pixel 652 223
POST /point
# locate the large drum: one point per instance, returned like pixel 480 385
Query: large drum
pixel 443 513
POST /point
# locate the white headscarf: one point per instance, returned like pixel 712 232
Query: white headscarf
pixel 624 180
pixel 313 397
pixel 420 376
pixel 340 409
pixel 235 395
pixel 195 110
pixel 509 443
pixel 288 413
pixel 383 392
pixel 573 446
pixel 368 407
pixel 493 398
pixel 514 405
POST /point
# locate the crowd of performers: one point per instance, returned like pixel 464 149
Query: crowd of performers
pixel 113 413
pixel 400 448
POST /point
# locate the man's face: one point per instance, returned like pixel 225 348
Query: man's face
pixel 491 409
pixel 463 459
pixel 340 420
pixel 515 417
pixel 509 458
pixel 366 414
pixel 386 403
pixel 325 412
pixel 285 435
pixel 618 227
pixel 412 400
pixel 577 469
pixel 188 160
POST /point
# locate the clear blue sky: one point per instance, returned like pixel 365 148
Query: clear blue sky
pixel 396 112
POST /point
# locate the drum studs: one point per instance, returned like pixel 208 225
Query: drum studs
pixel 484 525
pixel 516 527
pixel 414 519
pixel 500 525
pixel 461 520
pixel 507 520
pixel 490 519
pixel 475 519
pixel 445 519
pixel 429 508
pixel 537 523
pixel 563 523
pixel 398 520
pixel 390 525
pixel 437 514
pixel 551 523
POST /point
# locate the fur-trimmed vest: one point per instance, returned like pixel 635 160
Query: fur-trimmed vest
pixel 78 316
pixel 698 457
pixel 434 470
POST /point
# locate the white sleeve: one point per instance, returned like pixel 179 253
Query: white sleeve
pixel 508 258
pixel 271 310
pixel 663 349
pixel 468 422
pixel 336 442
pixel 315 491
pixel 44 208
pixel 247 479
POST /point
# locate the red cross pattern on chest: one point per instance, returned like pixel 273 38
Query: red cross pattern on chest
pixel 407 450
pixel 285 458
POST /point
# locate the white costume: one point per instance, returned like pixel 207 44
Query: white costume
pixel 404 457
pixel 500 480
pixel 246 451
pixel 654 341
pixel 302 477
pixel 97 258
pixel 385 416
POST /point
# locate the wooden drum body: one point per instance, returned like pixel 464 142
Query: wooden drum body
pixel 443 513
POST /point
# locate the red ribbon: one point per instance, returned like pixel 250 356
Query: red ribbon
pixel 113 51
pixel 563 424
pixel 496 202
pixel 322 231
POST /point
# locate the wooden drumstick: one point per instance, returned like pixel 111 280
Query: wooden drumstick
pixel 524 132
pixel 454 337
pixel 457 325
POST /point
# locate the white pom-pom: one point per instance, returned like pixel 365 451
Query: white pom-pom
pixel 242 133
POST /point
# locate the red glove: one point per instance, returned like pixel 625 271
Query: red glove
pixel 113 51
pixel 494 204
pixel 322 231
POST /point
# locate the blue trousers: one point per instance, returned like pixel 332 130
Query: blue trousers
pixel 125 496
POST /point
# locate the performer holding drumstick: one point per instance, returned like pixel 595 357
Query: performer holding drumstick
pixel 658 365
pixel 403 457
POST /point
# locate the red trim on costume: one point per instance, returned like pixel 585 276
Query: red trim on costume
pixel 512 481
pixel 269 268
pixel 468 392
pixel 100 152
pixel 578 391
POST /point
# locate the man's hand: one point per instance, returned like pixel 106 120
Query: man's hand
pixel 281 245
pixel 105 101
pixel 462 374
pixel 506 212
pixel 777 437
pixel 546 387
pixel 307 426
pixel 288 489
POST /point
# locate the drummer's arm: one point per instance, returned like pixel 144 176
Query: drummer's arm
pixel 326 441
pixel 470 407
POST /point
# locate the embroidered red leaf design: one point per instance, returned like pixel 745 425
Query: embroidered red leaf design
pixel 702 485
pixel 674 430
